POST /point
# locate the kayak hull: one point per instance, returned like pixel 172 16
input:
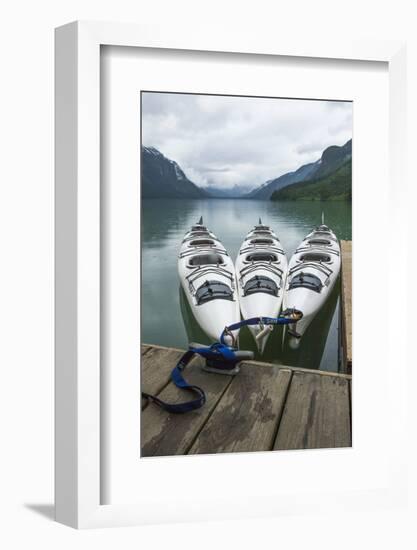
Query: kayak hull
pixel 312 274
pixel 207 277
pixel 261 268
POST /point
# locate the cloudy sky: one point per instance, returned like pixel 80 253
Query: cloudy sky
pixel 226 141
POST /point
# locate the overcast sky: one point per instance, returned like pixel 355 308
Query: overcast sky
pixel 224 140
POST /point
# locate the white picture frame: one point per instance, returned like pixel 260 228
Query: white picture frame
pixel 78 404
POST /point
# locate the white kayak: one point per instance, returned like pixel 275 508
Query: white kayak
pixel 312 274
pixel 207 276
pixel 261 270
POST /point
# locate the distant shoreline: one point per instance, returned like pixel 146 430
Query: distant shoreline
pixel 244 199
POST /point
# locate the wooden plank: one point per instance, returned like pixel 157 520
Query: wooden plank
pixel 156 366
pixel 157 346
pixel 300 369
pixel 164 434
pixel 316 413
pixel 247 416
pixel 350 408
pixel 145 348
pixel 346 291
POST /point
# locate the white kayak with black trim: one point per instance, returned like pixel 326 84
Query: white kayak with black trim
pixel 312 273
pixel 207 276
pixel 261 270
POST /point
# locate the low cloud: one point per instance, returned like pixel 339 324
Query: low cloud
pixel 227 141
pixel 215 170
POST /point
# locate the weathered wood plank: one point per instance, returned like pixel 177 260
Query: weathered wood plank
pixel 156 366
pixel 164 434
pixel 247 416
pixel 316 413
pixel 145 348
pixel 301 369
pixel 350 408
pixel 346 299
pixel 157 346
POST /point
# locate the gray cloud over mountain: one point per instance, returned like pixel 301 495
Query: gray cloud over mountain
pixel 224 140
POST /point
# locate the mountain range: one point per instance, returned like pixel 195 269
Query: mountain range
pixel 331 159
pixel 334 186
pixel 164 178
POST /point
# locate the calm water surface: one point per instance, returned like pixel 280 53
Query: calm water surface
pixel 166 317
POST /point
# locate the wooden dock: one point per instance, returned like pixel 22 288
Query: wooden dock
pixel 346 305
pixel 265 407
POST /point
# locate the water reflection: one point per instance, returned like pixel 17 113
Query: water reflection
pixel 194 332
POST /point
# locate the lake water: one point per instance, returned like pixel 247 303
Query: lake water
pixel 166 317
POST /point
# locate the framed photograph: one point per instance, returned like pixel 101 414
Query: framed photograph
pixel 218 277
pixel 233 146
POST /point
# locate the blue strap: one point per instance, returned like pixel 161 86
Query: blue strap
pixel 180 382
pixel 222 354
pixel 256 321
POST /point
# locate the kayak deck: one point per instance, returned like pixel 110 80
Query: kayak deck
pixel 265 407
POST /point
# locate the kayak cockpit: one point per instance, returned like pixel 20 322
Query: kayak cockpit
pixel 319 242
pixel 263 241
pixel 202 242
pixel 205 259
pixel 260 283
pixel 261 257
pixel 306 280
pixel 259 233
pixel 327 235
pixel 321 257
pixel 213 290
